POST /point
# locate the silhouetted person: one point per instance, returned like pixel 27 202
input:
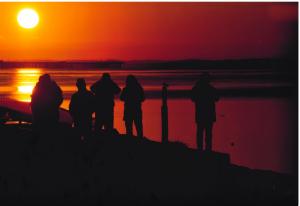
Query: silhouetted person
pixel 81 108
pixel 105 90
pixel 133 96
pixel 204 96
pixel 45 101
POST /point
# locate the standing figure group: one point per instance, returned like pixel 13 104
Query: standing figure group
pixel 47 98
pixel 101 101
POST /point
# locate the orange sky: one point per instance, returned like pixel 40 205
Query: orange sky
pixel 127 31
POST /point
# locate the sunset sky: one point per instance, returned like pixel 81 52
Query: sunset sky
pixel 137 31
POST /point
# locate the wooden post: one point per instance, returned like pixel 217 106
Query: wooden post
pixel 164 114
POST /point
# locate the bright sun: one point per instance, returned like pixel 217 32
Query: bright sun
pixel 28 18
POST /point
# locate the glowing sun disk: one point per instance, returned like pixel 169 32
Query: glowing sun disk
pixel 28 18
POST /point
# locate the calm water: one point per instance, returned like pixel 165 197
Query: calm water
pixel 257 132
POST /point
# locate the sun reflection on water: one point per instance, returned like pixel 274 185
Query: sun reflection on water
pixel 25 81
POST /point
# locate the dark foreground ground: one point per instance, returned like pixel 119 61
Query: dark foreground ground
pixel 57 168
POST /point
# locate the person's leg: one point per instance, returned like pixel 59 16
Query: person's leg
pixel 208 137
pixel 81 131
pixel 128 125
pixel 200 128
pixel 77 127
pixel 99 123
pixel 109 120
pixel 86 127
pixel 139 126
pixel 90 125
pixel 56 115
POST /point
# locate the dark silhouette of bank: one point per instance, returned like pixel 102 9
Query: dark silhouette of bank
pixel 105 89
pixel 133 96
pixel 128 171
pixel 45 101
pixel 81 108
pixel 204 95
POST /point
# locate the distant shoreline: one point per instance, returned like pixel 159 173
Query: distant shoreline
pixel 239 64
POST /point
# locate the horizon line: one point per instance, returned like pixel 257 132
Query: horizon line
pixel 137 60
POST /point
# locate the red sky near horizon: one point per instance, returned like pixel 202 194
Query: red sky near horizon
pixel 137 31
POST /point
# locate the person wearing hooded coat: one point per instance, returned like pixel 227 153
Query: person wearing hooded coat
pixel 46 99
pixel 204 95
pixel 133 96
pixel 105 89
pixel 81 108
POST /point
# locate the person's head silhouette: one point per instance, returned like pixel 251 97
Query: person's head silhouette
pixel 45 79
pixel 204 78
pixel 131 80
pixel 80 83
pixel 106 76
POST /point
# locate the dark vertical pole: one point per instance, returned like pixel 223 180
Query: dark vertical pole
pixel 164 114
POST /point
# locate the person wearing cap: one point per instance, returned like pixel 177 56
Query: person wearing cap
pixel 81 108
pixel 204 95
